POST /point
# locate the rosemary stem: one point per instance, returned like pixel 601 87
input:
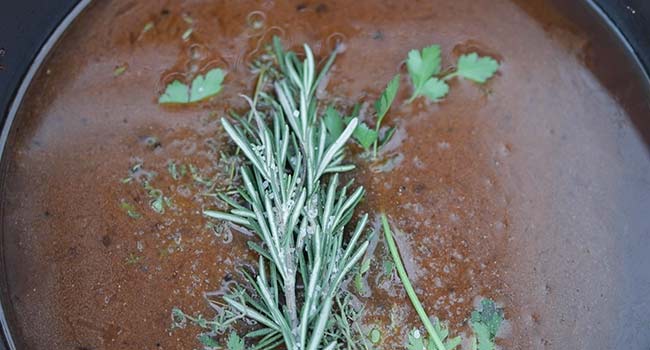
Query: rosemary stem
pixel 392 247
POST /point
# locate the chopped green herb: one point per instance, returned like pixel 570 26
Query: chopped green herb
pixel 358 277
pixel 186 34
pixel 130 210
pixel 187 18
pixel 147 27
pixel 485 323
pixel 177 172
pixel 203 86
pixel 132 259
pixel 375 335
pixel 119 70
pixel 389 267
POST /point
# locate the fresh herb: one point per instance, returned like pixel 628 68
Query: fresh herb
pixel 130 210
pixel 132 259
pixel 417 341
pixel 235 342
pixel 421 66
pixel 485 323
pixel 335 124
pixel 375 335
pixel 383 105
pixel 157 200
pixel 437 333
pixel 299 219
pixel 176 171
pixel 119 70
pixel 475 68
pixel 203 86
pixel 208 342
pixel 186 34
pixel 424 66
pixel 147 27
pixel 366 137
pixel 358 277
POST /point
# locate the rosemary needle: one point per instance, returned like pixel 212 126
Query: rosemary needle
pixel 408 286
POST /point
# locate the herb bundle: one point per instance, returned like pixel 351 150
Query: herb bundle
pixel 293 202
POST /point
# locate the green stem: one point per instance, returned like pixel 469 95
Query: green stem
pixel 450 75
pixel 407 285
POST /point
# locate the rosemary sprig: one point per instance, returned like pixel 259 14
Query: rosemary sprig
pixel 298 218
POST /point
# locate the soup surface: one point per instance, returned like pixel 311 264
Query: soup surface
pixel 529 190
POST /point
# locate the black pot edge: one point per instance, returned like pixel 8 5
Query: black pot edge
pixel 6 339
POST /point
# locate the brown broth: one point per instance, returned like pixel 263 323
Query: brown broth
pixel 506 191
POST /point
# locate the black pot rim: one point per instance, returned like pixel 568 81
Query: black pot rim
pixel 6 338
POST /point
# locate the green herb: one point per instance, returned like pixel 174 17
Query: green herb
pixel 298 215
pixel 186 34
pixel 383 105
pixel 235 342
pixel 375 335
pixel 423 67
pixel 176 92
pixel 334 124
pixel 436 334
pixel 147 27
pixel 475 68
pixel 485 323
pixel 157 200
pixel 389 267
pixel 208 341
pixel 119 70
pixel 358 277
pixel 203 86
pixel 365 135
pixel 130 210
pixel 132 259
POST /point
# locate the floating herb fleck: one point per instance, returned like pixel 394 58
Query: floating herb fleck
pixel 130 210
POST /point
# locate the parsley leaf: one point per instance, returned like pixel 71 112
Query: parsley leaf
pixel 203 86
pixel 476 68
pixel 210 85
pixel 382 106
pixel 208 342
pixel 485 323
pixel 176 92
pixel 364 135
pixel 235 342
pixel 435 89
pixel 334 124
pixel 416 341
pixel 386 99
pixel 422 65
